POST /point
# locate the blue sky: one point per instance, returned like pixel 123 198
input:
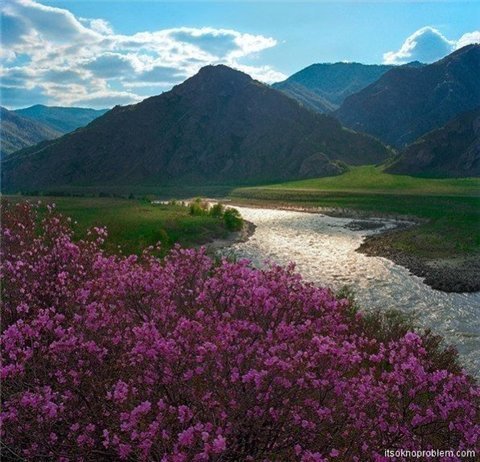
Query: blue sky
pixel 103 53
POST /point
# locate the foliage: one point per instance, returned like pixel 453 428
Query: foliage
pixel 232 219
pixel 217 210
pixel 198 207
pixel 136 358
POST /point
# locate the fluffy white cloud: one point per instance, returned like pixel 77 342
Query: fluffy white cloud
pixel 98 25
pixel 428 45
pixel 52 55
pixel 468 38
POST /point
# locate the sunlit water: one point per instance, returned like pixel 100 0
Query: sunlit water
pixel 323 249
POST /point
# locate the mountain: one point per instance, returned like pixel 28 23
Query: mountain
pixel 450 151
pixel 17 132
pixel 407 102
pixel 62 119
pixel 220 126
pixel 323 87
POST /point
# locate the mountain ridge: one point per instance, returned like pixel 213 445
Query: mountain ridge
pixel 217 124
pixel 408 102
pixel 324 86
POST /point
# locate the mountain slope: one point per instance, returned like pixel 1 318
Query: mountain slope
pixel 323 87
pixel 62 119
pixel 306 97
pixel 407 102
pixel 219 126
pixel 451 151
pixel 18 132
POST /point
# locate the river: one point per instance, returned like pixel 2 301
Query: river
pixel 324 250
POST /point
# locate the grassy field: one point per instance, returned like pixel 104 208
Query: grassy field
pixel 134 224
pixel 450 208
pixel 371 179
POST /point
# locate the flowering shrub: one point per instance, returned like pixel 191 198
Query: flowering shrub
pixel 181 359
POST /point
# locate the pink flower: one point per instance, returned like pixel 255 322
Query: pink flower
pixel 219 444
pixel 184 358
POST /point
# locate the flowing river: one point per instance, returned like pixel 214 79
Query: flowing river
pixel 323 249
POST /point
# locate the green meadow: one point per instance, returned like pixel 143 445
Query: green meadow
pixel 372 179
pixel 133 224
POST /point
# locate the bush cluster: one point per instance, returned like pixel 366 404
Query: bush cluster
pixel 109 358
pixel 231 217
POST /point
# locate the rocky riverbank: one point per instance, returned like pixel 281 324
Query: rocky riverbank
pixel 457 274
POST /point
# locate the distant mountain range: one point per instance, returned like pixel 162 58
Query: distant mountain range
pixel 407 102
pixel 453 150
pixel 62 119
pixel 220 126
pixel 324 87
pixel 17 132
pixel 21 128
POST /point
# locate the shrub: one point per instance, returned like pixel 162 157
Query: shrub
pixel 133 358
pixel 217 210
pixel 232 219
pixel 198 207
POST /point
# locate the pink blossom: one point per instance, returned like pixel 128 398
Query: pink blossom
pixel 185 358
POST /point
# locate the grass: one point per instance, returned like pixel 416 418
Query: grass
pixel 373 180
pixel 134 224
pixel 449 208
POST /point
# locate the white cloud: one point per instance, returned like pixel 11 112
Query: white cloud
pixel 53 24
pixel 98 25
pixel 70 60
pixel 468 38
pixel 262 73
pixel 428 45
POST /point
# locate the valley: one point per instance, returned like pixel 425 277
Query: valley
pixel 441 242
pixel 239 231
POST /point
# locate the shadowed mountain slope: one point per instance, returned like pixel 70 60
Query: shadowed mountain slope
pixel 407 102
pixel 306 97
pixel 219 126
pixel 450 151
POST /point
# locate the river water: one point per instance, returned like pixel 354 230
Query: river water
pixel 323 249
